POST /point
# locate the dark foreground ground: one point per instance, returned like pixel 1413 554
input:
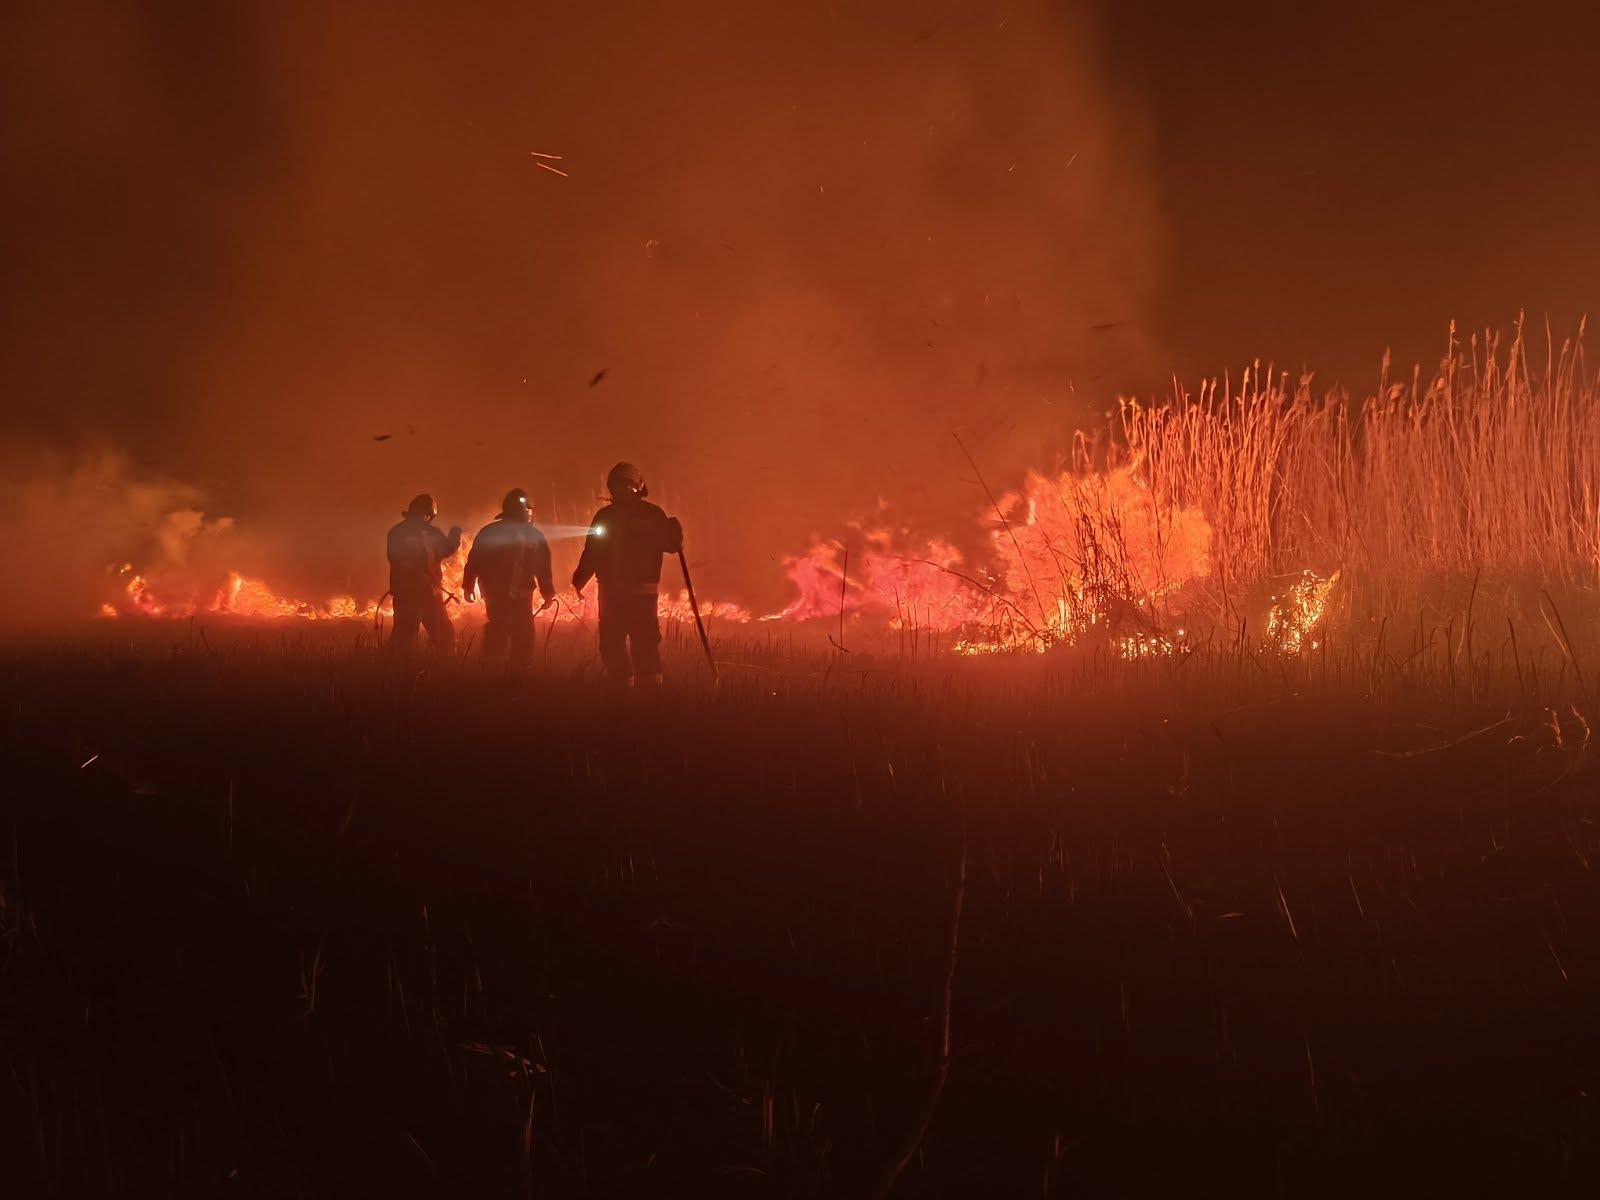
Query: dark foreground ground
pixel 277 921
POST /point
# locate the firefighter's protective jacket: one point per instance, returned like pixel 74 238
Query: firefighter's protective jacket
pixel 626 541
pixel 417 552
pixel 507 559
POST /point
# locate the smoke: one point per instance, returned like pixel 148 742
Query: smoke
pixel 306 260
pixel 102 515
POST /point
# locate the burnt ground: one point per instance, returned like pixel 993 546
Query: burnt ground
pixel 281 921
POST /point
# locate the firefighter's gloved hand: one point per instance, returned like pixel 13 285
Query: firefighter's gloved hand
pixel 545 605
pixel 674 535
pixel 469 595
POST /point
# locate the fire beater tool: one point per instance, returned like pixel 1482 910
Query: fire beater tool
pixel 694 607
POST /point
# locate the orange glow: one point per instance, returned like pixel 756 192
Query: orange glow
pixel 1065 555
pixel 677 608
pixel 1295 616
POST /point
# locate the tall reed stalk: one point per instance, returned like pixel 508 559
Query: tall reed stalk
pixel 1490 466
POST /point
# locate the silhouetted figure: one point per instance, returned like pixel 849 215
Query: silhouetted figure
pixel 416 576
pixel 508 558
pixel 623 550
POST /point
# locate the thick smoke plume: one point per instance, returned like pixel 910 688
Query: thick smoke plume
pixel 307 259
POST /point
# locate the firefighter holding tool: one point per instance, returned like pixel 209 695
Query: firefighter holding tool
pixel 627 540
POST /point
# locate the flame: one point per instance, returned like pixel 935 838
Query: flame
pixel 240 596
pixel 138 598
pixel 1065 557
pixel 247 597
pixel 678 608
pixel 1293 620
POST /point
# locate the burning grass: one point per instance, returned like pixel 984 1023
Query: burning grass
pixel 1468 497
pixel 1266 507
pixel 1490 467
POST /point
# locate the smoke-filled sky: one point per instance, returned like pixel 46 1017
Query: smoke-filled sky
pixel 794 250
pixel 1338 176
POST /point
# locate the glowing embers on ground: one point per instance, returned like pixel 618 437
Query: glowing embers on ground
pixel 1295 616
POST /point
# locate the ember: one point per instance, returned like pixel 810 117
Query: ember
pixel 1293 622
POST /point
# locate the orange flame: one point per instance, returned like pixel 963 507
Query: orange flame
pixel 1063 556
pixel 1066 554
pixel 1295 616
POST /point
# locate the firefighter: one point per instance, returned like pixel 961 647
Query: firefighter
pixel 508 557
pixel 417 552
pixel 626 541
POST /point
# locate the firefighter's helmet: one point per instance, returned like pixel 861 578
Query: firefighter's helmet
pixel 422 506
pixel 625 480
pixel 516 505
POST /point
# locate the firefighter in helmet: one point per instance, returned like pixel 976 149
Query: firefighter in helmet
pixel 417 550
pixel 508 558
pixel 623 550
